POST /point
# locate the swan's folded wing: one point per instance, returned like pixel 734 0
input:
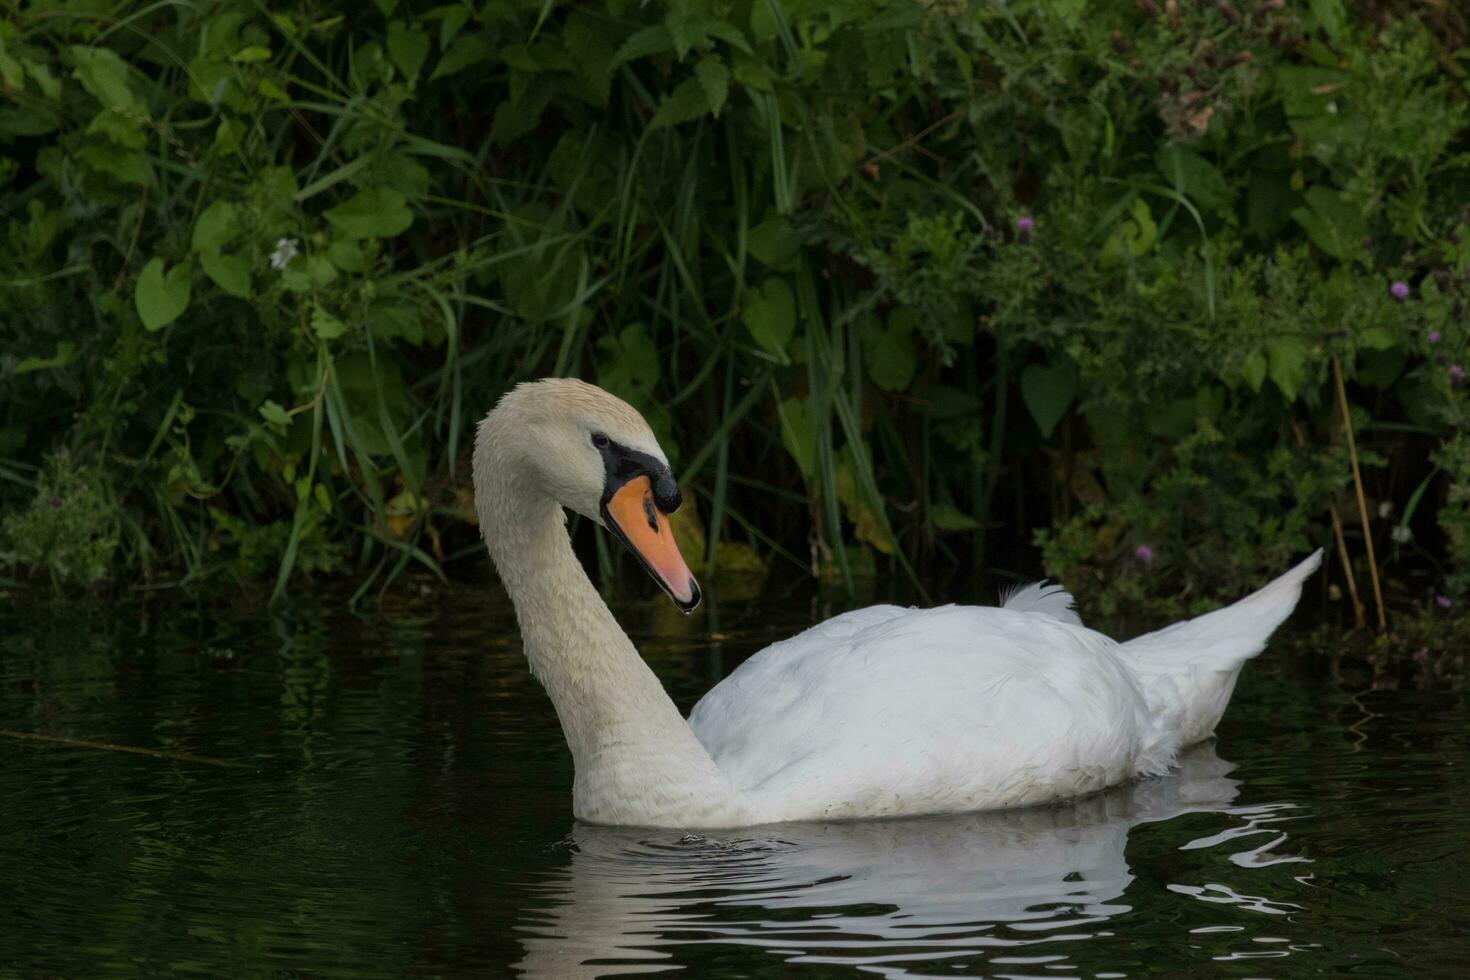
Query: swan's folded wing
pixel 920 711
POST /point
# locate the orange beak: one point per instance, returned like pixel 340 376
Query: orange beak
pixel 631 513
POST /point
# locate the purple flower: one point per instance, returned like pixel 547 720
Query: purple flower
pixel 1144 553
pixel 1025 223
pixel 1443 601
pixel 1399 290
pixel 1421 655
pixel 1456 372
pixel 1433 337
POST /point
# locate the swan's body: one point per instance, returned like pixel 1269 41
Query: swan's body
pixel 879 712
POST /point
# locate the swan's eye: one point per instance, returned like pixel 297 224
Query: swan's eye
pixel 599 440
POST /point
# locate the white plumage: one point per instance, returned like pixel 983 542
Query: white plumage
pixel 880 712
pixel 888 711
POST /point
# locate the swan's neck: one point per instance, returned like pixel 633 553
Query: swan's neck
pixel 636 759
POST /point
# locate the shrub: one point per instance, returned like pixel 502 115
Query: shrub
pixel 979 270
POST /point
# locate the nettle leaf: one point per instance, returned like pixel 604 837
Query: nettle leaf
pixel 641 44
pixel 408 47
pixel 374 212
pixel 161 297
pixel 1334 225
pixel 686 102
pixel 769 313
pixel 948 517
pixel 216 226
pixel 690 31
pixel 1288 364
pixel 229 272
pixel 105 76
pixel 714 78
pixel 1048 391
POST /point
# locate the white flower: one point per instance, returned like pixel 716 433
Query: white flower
pixel 1401 534
pixel 1385 508
pixel 286 250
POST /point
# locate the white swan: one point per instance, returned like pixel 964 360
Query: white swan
pixel 879 712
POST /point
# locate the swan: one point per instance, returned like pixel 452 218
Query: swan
pixel 879 712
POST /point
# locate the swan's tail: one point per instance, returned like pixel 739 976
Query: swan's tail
pixel 1188 670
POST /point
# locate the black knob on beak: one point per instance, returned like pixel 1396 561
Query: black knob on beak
pixel 666 493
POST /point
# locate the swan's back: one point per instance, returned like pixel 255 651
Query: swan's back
pixel 887 711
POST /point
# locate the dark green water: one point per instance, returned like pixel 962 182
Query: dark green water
pixel 399 804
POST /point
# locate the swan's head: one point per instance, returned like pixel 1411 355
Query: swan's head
pixel 594 454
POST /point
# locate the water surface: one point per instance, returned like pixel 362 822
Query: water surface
pixel 390 795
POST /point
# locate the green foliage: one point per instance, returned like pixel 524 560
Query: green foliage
pixel 263 271
pixel 68 530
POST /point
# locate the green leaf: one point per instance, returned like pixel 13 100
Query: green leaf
pixel 272 91
pixel 161 297
pixel 684 103
pixel 230 272
pixel 1133 238
pixel 1070 11
pixel 769 313
pixel 65 352
pixel 325 325
pixel 797 435
pixel 1378 338
pixel 105 76
pixel 772 241
pixel 227 136
pixel 408 47
pixel 641 44
pixel 714 78
pixel 1330 17
pixel 630 367
pixel 948 517
pixel 1254 370
pixel 216 226
pixel 274 415
pixel 251 55
pixel 1334 225
pixel 374 212
pixel 1288 357
pixel 1307 90
pixel 1048 391
pixel 467 50
pixel 1193 176
pixel 45 80
pixel 891 357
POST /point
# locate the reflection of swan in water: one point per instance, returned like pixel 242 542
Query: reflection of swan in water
pixel 890 892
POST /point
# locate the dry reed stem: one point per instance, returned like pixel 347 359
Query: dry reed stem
pixel 1347 426
pixel 1360 617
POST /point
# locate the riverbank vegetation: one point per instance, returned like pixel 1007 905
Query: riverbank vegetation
pixel 1156 295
